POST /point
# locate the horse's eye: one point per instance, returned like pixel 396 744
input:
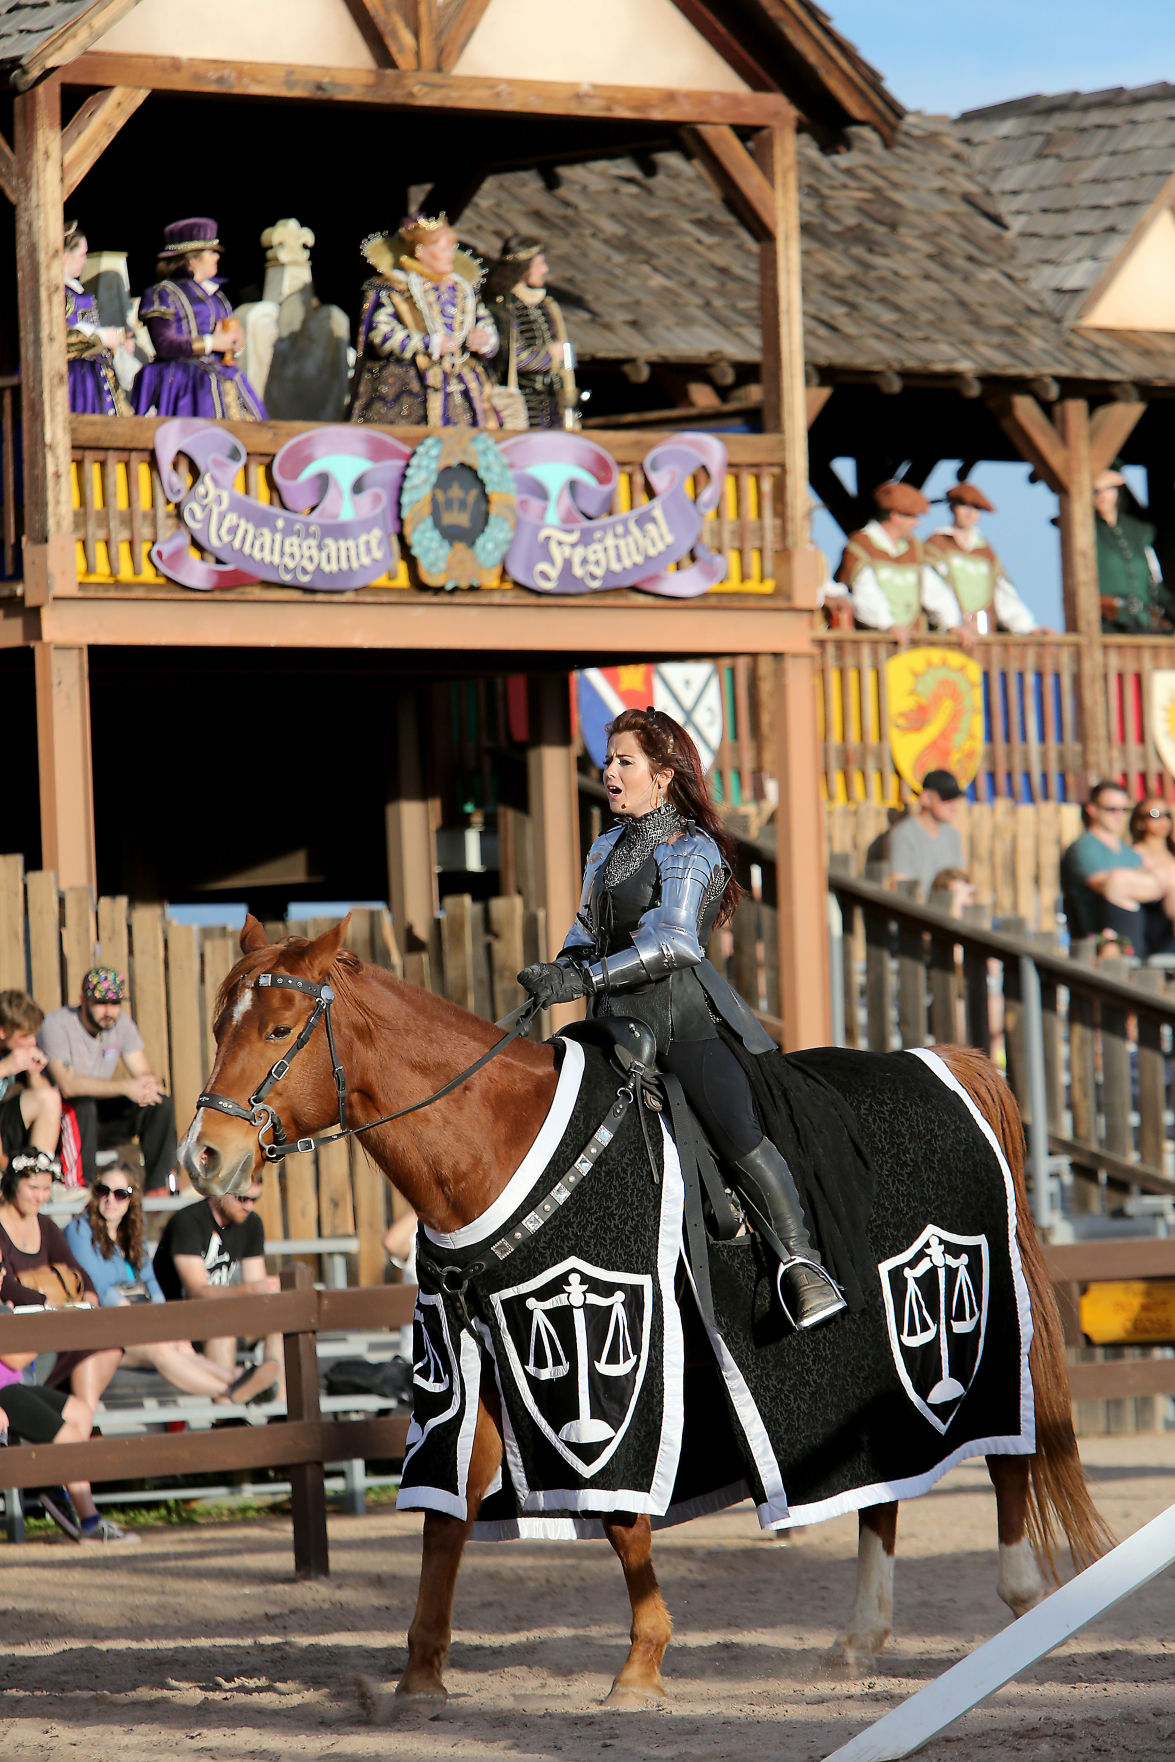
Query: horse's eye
pixel 278 1034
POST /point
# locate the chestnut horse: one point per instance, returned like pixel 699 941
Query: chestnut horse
pixel 397 1045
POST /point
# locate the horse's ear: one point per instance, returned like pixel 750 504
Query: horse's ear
pixel 253 935
pixel 322 951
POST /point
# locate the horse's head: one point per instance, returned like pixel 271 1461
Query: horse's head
pixel 255 1026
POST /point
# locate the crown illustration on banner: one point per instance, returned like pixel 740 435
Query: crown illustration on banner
pixel 456 503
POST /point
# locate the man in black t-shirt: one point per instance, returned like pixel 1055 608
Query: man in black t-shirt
pixel 216 1248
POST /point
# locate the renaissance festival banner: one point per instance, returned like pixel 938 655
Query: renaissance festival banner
pixel 536 506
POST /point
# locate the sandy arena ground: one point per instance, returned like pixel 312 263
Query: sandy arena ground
pixel 201 1644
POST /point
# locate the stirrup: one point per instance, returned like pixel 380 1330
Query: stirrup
pixel 812 1308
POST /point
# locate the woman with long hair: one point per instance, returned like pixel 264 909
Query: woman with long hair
pixel 655 886
pixel 1150 835
pixel 107 1241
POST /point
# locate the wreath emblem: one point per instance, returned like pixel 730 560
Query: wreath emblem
pixel 457 509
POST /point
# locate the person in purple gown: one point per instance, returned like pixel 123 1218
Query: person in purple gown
pixel 424 333
pixel 93 384
pixel 193 332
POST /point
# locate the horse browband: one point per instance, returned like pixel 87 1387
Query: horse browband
pixel 258 1111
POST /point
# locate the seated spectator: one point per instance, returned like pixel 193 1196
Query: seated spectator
pixel 32 1415
pixel 927 840
pixel 108 1244
pixel 216 1248
pixel 1150 836
pixel 29 1244
pixel 84 1046
pixel 30 1107
pixel 886 572
pixel 1105 883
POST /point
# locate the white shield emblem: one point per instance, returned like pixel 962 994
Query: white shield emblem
pixel 577 1342
pixel 1162 715
pixel 936 1311
pixel 436 1375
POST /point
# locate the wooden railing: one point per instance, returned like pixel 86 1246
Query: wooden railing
pixel 121 509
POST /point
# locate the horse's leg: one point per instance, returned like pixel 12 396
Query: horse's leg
pixel 871 1617
pixel 444 1542
pixel 640 1679
pixel 1021 1585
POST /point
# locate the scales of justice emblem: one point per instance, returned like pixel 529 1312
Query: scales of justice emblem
pixel 936 1297
pixel 577 1342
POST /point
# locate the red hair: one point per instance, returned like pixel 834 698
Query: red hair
pixel 668 747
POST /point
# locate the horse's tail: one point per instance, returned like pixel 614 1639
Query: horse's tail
pixel 1058 1497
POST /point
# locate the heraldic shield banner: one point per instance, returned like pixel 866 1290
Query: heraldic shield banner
pixel 935 699
pixel 1162 715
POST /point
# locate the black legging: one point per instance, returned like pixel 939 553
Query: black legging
pixel 716 1088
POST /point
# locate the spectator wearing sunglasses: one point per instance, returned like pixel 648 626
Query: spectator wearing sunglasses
pixel 1105 881
pixel 1150 836
pixel 216 1248
pixel 107 1241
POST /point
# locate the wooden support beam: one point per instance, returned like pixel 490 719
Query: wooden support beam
pixel 800 878
pixel 967 385
pixel 1110 427
pixel 452 195
pixel 458 23
pixel 427 36
pixel 67 44
pixel 701 14
pixel 553 800
pixel 815 398
pixel 403 90
pixel 782 324
pixel 739 179
pixel 64 763
pixel 1033 436
pixel 411 829
pixel 1079 579
pixel 386 32
pixel 88 134
pixel 840 504
pixel 7 170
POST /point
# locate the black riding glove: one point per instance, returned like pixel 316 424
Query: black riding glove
pixel 548 982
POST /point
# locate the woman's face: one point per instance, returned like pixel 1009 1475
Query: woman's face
pixel 75 258
pixel 1153 818
pixel 114 1197
pixel 32 1192
pixel 536 272
pixel 202 265
pixel 633 787
pixel 437 251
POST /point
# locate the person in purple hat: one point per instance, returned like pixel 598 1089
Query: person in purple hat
pixel 193 332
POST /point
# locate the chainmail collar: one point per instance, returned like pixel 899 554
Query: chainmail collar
pixel 638 841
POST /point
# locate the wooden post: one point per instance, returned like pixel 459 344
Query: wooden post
pixel 554 813
pixel 801 881
pixel 412 878
pixel 307 1482
pixel 64 762
pixel 1080 581
pixel 49 559
pixel 785 408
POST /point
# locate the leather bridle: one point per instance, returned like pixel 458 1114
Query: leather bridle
pixel 258 1111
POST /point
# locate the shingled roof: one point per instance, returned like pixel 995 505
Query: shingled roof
pixel 908 265
pixel 1074 175
pixel 26 24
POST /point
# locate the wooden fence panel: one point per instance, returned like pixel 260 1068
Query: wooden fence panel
pixel 220 957
pixel 79 938
pixel 507 919
pixel 371 1188
pixel 14 974
pixel 44 907
pixel 457 944
pixel 269 1206
pixel 148 978
pixel 185 1017
pixel 299 1177
pixel 114 949
pixel 336 1207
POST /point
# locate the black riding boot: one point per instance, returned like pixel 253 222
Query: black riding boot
pixel 808 1293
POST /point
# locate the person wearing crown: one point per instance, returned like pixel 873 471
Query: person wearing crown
pixel 975 575
pixel 93 383
pixel 424 333
pixel 193 332
pixel 535 355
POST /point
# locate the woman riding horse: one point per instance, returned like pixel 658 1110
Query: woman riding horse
pixel 654 888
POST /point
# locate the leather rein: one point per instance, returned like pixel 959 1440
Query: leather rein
pixel 258 1111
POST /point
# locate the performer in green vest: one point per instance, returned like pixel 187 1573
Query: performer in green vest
pixel 975 574
pixel 1135 601
pixel 889 579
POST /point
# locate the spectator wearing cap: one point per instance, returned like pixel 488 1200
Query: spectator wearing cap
pixel 886 573
pixel 927 841
pixel 1134 599
pixel 84 1046
pixel 970 567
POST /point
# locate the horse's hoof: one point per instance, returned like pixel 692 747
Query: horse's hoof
pixel 854 1655
pixel 634 1694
